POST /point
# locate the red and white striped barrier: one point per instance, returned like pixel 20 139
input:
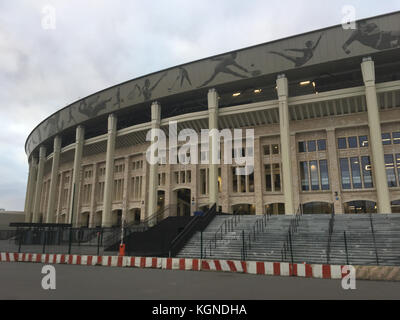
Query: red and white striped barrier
pixel 249 267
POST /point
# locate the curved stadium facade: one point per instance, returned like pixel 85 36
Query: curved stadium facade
pixel 324 107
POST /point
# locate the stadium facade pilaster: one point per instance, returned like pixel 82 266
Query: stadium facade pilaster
pixel 153 168
pixel 212 98
pixel 333 163
pixel 382 189
pixel 79 141
pixel 30 191
pixel 109 174
pixel 284 120
pixel 39 185
pixel 50 216
pixel 93 197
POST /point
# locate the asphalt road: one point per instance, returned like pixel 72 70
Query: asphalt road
pixel 23 281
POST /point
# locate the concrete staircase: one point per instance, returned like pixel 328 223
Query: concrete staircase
pixel 309 242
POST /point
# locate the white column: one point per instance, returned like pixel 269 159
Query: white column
pixel 213 147
pixel 258 185
pixel 125 191
pixel 50 217
pixel 76 174
pixel 39 184
pixel 92 217
pixel 153 168
pixel 60 197
pixel 378 162
pixel 334 177
pixel 283 92
pixel 109 179
pixel 30 190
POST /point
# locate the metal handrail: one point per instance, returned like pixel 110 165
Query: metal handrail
pixel 228 225
pixel 373 238
pixel 287 245
pixel 331 226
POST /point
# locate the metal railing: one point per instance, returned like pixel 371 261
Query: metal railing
pixel 373 238
pixel 330 232
pixel 226 226
pixel 259 226
pixel 198 223
pixel 288 243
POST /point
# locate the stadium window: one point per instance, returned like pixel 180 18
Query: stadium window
pixel 345 173
pixel 314 175
pixel 243 188
pixel 234 180
pixel 302 147
pixel 268 178
pixel 352 142
pixel 203 181
pixel 275 149
pixel 277 177
pixel 219 180
pixel 355 172
pixel 321 145
pixel 366 169
pixel 267 150
pixel 251 182
pixel 323 172
pixel 398 165
pixel 363 141
pixel 396 137
pixel 311 146
pixel 304 176
pixel 176 174
pixel 183 177
pixel 386 139
pixel 390 172
pixel 342 143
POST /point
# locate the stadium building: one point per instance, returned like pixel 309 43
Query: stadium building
pixel 324 106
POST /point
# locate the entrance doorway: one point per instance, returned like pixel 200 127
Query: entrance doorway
pixel 134 216
pixel 275 208
pixel 360 206
pixel 183 202
pixel 244 209
pixel 160 200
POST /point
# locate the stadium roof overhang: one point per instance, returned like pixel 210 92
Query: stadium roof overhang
pixel 319 57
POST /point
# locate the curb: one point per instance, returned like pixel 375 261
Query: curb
pixel 248 267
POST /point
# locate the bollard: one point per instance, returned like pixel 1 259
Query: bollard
pixel 122 249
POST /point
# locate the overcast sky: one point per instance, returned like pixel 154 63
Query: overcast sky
pixel 99 43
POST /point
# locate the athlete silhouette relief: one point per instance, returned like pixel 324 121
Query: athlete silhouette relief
pixel 94 106
pixel 53 124
pixel 146 91
pixel 308 53
pixel 182 76
pixel 371 36
pixel 118 98
pixel 222 67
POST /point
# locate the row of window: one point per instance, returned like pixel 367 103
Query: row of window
pixel 182 177
pixel 242 183
pixel 362 141
pixel 271 149
pixel 356 173
pixel 272 174
pixel 312 145
pixel 314 175
pixel 392 163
